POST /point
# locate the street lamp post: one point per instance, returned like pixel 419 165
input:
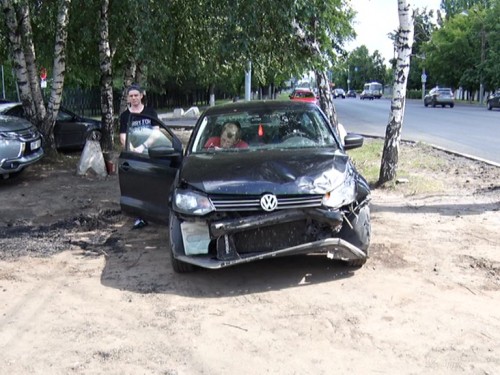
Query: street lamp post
pixel 481 86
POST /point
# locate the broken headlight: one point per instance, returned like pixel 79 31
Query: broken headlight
pixel 342 195
pixel 192 203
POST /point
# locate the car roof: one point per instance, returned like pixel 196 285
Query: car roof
pixel 259 105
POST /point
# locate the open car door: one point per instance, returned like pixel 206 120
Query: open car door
pixel 147 173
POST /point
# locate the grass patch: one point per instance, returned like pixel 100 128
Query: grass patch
pixel 417 167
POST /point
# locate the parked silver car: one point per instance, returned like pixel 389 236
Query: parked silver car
pixel 20 145
pixel 440 96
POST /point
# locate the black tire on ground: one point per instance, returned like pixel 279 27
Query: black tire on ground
pixel 452 105
pixel 359 235
pixel 426 104
pixel 433 105
pixel 176 245
pixel 490 107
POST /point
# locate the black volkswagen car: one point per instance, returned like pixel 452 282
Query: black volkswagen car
pixel 288 186
pixel 70 131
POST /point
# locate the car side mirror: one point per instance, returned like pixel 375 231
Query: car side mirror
pixel 352 141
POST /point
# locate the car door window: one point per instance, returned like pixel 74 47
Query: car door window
pixel 146 132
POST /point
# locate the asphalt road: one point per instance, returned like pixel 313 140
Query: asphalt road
pixel 466 129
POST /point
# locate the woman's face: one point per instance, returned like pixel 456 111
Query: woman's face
pixel 229 136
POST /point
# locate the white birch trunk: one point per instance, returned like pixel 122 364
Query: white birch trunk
pixel 106 79
pixel 404 42
pixel 18 58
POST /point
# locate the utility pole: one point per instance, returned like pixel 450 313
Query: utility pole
pixel 248 81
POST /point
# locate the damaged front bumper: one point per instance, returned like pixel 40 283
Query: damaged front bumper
pixel 226 253
pixel 335 248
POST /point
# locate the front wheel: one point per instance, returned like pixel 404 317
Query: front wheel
pixel 176 245
pixel 490 107
pixel 452 105
pixel 359 235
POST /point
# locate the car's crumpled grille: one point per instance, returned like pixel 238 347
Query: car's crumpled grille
pixel 28 135
pixel 252 203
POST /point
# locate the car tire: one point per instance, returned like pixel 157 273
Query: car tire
pixel 426 104
pixel 452 105
pixel 359 235
pixel 489 106
pixel 433 105
pixel 176 245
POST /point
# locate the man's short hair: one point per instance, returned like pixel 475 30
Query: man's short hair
pixel 135 87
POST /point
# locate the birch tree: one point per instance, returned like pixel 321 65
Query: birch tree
pixel 106 78
pixel 18 24
pixel 403 44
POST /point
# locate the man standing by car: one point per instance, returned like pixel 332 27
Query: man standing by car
pixel 135 94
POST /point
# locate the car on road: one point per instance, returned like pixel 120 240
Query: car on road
pixel 304 95
pixel 366 94
pixel 71 131
pixel 339 93
pixel 20 145
pixel 442 96
pixel 351 93
pixel 493 100
pixel 288 188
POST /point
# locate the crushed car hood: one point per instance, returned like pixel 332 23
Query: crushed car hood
pixel 302 171
pixel 11 123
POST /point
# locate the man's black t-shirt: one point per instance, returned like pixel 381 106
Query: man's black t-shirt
pixel 138 122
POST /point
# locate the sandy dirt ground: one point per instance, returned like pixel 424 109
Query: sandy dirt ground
pixel 83 293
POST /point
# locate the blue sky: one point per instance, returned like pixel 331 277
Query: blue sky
pixel 376 19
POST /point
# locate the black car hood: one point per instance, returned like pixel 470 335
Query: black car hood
pixel 299 171
pixel 11 123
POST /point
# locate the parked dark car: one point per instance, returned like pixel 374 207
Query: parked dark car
pixel 493 100
pixel 288 188
pixel 440 96
pixel 70 131
pixel 20 145
pixel 351 94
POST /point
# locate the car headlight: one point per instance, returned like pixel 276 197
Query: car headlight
pixel 343 194
pixel 192 203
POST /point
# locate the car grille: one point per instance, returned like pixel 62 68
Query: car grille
pixel 252 203
pixel 28 135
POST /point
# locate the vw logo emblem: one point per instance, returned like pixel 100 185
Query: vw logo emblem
pixel 269 202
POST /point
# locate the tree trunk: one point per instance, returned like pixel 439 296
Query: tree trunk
pixel 58 71
pixel 31 66
pixel 211 93
pixel 106 79
pixel 18 22
pixel 326 98
pixel 404 42
pixel 18 59
pixel 128 79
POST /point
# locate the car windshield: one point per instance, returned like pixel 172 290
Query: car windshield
pixel 282 128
